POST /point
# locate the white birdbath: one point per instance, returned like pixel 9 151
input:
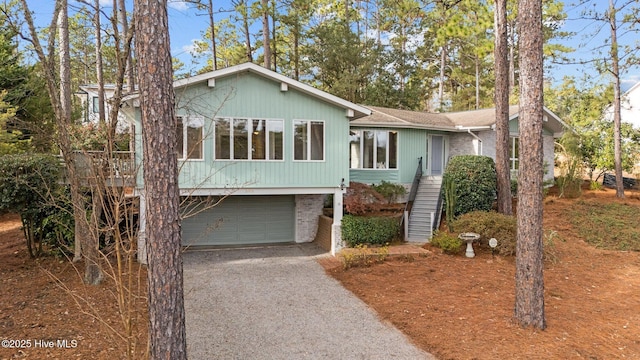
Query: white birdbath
pixel 469 238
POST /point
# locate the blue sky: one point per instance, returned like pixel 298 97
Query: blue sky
pixel 187 24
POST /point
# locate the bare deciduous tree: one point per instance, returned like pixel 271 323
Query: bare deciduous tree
pixel 60 96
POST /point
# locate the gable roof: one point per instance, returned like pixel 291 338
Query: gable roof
pixel 388 117
pixel 481 119
pixel 353 110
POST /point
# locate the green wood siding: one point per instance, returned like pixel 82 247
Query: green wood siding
pixel 252 96
pixel 412 144
pixel 241 220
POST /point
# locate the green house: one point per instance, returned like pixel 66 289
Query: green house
pixel 258 155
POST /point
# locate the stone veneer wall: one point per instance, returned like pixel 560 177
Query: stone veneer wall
pixel 463 144
pixel 308 208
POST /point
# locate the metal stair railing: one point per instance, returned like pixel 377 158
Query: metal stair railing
pixel 404 219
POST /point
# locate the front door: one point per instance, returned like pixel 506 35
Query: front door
pixel 436 159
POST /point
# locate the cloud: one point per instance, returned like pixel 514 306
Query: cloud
pixel 178 5
pixel 628 81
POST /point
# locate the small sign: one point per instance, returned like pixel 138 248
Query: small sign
pixel 493 242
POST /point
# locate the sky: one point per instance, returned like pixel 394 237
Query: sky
pixel 187 24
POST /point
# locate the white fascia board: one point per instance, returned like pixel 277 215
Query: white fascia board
pixel 258 191
pixel 276 77
pixel 555 117
pixel 473 128
pixel 402 126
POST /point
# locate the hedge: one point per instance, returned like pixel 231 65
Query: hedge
pixel 369 230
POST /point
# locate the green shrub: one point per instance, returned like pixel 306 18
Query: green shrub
pixel 26 184
pixel 369 230
pixel 449 243
pixel 449 189
pixel 514 187
pixel 475 182
pixel 594 185
pixel 504 228
pixel 490 224
pixel 390 191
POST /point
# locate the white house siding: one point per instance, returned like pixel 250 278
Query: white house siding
pixel 548 145
pixel 308 210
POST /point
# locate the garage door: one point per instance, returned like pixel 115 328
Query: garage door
pixel 242 220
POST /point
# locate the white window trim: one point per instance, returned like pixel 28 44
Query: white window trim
pixel 375 153
pixel 249 138
pixel 324 140
pixel 512 149
pixel 186 120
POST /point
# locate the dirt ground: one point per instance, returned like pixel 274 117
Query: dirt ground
pixel 46 312
pixel 460 308
pixel 451 306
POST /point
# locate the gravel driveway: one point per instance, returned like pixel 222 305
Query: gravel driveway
pixel 277 303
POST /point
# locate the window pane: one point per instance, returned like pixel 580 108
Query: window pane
pixel 275 128
pixel 258 140
pixel 240 139
pixel 194 142
pixel 393 150
pixel 381 149
pixel 179 138
pixel 300 140
pixel 96 105
pixel 514 153
pixel 317 140
pixel 354 149
pixel 367 150
pixel 223 139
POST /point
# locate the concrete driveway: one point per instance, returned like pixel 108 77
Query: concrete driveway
pixel 277 303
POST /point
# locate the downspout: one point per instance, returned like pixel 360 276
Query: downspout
pixel 477 138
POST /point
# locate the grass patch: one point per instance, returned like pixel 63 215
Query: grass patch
pixel 612 226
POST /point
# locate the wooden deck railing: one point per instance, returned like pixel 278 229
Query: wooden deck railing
pixel 119 169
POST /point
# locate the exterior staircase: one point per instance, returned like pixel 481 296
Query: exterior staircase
pixel 424 209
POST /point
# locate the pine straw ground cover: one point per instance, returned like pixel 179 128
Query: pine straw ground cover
pixel 460 308
pixel 45 305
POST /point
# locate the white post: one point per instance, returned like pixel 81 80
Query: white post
pixel 336 227
pixel 142 226
pixel 406 225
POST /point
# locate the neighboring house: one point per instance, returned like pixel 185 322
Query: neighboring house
pixel 629 107
pixel 88 95
pixel 277 147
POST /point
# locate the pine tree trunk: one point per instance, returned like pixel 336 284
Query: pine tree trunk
pixel 529 302
pixel 615 67
pixel 503 170
pixel 165 277
pixel 212 24
pixel 266 34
